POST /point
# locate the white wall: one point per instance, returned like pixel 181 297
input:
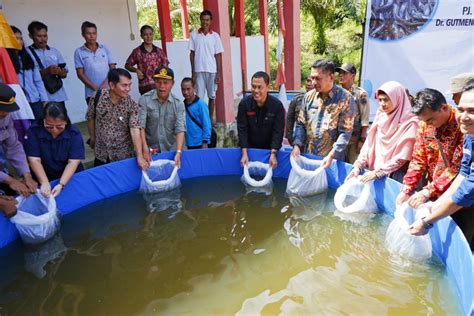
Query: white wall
pixel 64 19
pixel 178 54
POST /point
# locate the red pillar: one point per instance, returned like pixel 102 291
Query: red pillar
pixel 263 13
pixel 239 17
pixel 165 22
pixel 291 12
pixel 225 93
pixel 184 19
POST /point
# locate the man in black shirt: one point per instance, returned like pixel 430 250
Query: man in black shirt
pixel 260 120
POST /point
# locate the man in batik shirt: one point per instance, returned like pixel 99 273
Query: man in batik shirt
pixel 113 123
pixel 147 57
pixel 438 149
pixel 325 123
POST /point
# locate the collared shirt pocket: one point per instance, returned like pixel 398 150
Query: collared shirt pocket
pixel 153 113
pixel 101 112
pixel 269 118
pixel 170 121
pixel 251 117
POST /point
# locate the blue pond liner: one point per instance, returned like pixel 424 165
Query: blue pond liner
pixel 124 176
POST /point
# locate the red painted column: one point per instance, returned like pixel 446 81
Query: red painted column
pixel 164 22
pixel 263 13
pixel 184 19
pixel 225 93
pixel 239 17
pixel 291 12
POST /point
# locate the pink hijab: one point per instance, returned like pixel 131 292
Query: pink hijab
pixel 391 136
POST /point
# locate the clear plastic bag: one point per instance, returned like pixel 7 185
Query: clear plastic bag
pixel 355 197
pixel 37 218
pixel 399 241
pixel 37 257
pixel 254 170
pixel 306 208
pixel 162 201
pixel 160 177
pixel 307 177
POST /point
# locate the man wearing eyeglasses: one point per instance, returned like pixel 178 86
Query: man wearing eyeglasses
pixel 12 149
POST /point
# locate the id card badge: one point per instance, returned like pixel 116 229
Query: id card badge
pixel 325 123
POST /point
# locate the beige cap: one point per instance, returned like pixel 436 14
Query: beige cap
pixel 458 82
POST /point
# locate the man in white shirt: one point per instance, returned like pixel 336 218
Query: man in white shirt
pixel 205 47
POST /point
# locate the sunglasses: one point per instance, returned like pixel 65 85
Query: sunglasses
pixel 57 127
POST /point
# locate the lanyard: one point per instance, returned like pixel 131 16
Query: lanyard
pixel 442 151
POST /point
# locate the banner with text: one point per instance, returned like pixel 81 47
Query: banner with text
pixel 419 43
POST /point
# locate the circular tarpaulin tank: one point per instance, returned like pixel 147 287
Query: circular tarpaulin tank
pixel 120 177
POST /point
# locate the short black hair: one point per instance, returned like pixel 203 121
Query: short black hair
pixel 114 75
pixel 263 75
pixel 21 60
pixel 15 29
pixel 468 86
pixel 428 99
pixel 56 110
pixel 205 12
pixel 36 26
pixel 188 79
pixel 144 27
pixel 325 65
pixel 86 24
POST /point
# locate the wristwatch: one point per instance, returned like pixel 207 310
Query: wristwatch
pixel 179 151
pixel 426 225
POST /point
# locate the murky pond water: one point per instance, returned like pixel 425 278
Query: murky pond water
pixel 212 249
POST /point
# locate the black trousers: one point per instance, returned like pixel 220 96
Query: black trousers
pixel 98 162
pixel 195 147
pixel 464 218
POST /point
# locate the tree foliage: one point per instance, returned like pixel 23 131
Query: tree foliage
pixel 148 14
pixel 329 28
pixel 330 14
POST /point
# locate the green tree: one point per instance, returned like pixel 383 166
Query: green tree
pixel 330 14
pixel 148 14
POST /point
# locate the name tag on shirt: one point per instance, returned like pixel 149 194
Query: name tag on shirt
pixel 326 120
pixel 466 152
pixel 325 124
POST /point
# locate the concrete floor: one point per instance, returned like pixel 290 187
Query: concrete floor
pixel 89 161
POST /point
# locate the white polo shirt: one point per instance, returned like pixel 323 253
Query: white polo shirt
pixel 205 47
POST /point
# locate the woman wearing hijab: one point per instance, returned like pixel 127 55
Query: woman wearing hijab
pixel 390 140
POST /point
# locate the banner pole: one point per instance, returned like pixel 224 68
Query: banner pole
pixel 364 21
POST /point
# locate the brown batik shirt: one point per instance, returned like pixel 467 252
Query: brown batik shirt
pixel 113 140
